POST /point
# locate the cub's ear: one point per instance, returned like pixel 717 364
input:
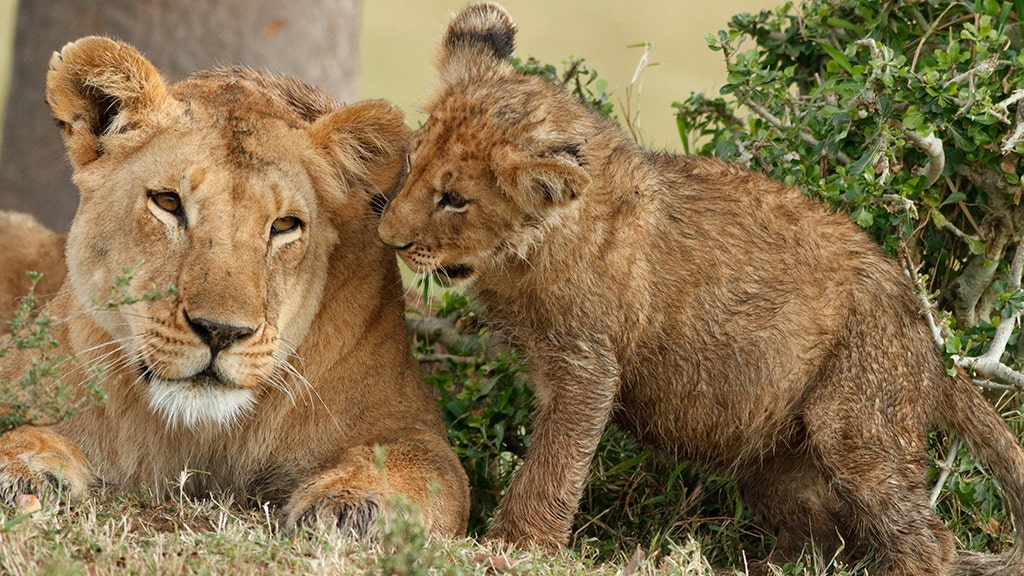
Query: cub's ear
pixel 97 87
pixel 365 143
pixel 551 178
pixel 479 37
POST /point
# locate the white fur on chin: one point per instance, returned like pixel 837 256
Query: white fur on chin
pixel 182 403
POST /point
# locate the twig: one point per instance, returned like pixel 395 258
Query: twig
pixel 425 358
pixel 779 124
pixel 922 298
pixel 1012 99
pixel 932 147
pixel 983 67
pixel 1012 139
pixel 944 469
pixel 990 385
pixel 989 364
pixel 439 330
pixel 908 204
pixel 952 229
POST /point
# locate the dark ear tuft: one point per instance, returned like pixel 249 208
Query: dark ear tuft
pixel 479 38
pixel 485 25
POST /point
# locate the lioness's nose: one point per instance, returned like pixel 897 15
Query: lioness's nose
pixel 216 335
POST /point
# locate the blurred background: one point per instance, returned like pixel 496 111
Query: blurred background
pixel 352 49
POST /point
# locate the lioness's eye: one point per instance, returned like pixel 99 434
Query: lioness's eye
pixel 285 224
pixel 166 200
pixel 452 201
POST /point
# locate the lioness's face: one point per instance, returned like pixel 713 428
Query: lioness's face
pixel 236 188
pixel 220 205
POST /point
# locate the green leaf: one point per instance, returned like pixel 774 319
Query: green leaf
pixel 976 246
pixel 837 56
pixel 913 119
pixel 863 218
pixel 953 198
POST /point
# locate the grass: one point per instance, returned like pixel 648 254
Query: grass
pixel 112 533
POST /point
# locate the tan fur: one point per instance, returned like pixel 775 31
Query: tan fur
pixel 282 364
pixel 717 314
pixel 26 245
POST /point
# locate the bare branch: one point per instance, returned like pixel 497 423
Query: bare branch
pixel 1012 99
pixel 983 67
pixel 932 147
pixel 922 297
pixel 1012 139
pixel 944 469
pixel 991 369
pixel 445 357
pixel 439 330
pixel 1015 135
pixel 908 204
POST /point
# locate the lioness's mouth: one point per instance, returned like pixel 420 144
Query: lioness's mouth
pixel 206 378
pixel 201 399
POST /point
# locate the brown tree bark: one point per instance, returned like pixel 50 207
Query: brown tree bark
pixel 313 40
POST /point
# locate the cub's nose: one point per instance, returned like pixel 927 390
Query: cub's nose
pixel 216 335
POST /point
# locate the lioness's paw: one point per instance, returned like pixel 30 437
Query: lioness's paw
pixel 36 460
pixel 355 514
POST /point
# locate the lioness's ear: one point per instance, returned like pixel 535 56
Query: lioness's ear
pixel 97 87
pixel 365 142
pixel 553 177
pixel 479 37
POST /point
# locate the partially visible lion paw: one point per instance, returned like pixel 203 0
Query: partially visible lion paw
pixel 355 514
pixel 38 461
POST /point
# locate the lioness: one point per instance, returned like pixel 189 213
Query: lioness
pixel 281 368
pixel 716 313
pixel 25 245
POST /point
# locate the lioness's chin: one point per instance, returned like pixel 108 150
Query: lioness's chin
pixel 194 405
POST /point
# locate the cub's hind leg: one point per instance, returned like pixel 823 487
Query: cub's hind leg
pixel 873 459
pixel 792 500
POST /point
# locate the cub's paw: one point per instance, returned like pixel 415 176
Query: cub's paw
pixel 36 460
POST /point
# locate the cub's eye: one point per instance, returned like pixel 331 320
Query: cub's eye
pixel 452 201
pixel 285 224
pixel 166 200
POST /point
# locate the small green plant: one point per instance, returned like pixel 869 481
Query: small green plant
pixel 577 77
pixel 40 396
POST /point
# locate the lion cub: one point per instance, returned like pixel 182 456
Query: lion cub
pixel 716 313
pixel 280 367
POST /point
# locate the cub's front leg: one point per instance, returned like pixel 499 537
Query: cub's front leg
pixel 364 485
pixel 575 391
pixel 36 460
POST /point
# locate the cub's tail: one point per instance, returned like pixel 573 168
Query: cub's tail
pixel 977 423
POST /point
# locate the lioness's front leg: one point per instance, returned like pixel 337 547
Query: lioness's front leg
pixel 37 460
pixel 575 391
pixel 352 495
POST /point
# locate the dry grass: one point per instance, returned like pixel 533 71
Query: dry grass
pixel 113 533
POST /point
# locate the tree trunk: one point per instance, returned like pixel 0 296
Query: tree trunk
pixel 313 40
